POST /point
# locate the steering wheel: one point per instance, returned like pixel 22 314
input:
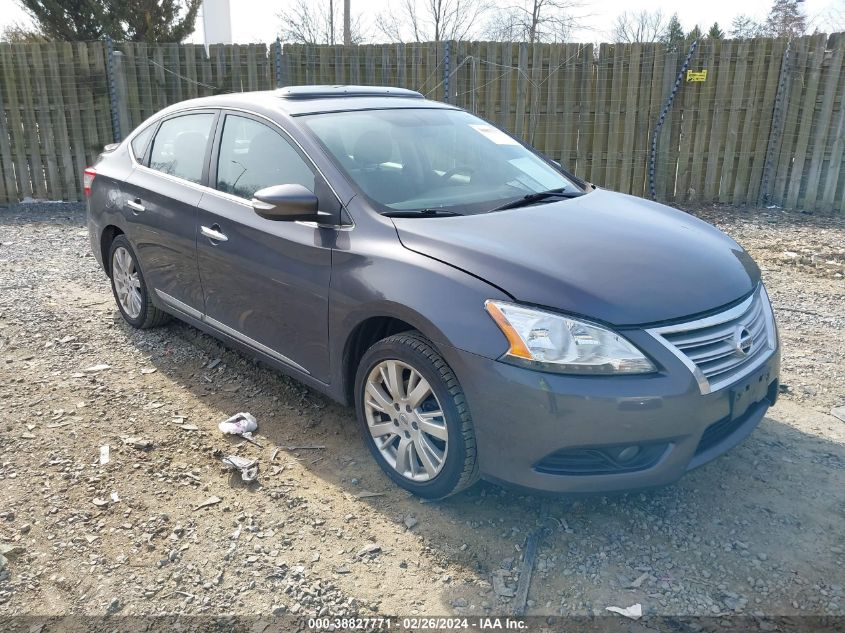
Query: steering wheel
pixel 460 169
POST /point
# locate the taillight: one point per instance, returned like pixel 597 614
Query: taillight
pixel 88 180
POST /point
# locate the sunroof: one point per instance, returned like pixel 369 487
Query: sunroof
pixel 332 92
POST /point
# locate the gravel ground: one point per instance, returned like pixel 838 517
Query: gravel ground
pixel 162 528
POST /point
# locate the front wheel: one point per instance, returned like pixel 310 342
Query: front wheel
pixel 414 417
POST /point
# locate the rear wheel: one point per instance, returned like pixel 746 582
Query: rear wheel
pixel 129 288
pixel 414 417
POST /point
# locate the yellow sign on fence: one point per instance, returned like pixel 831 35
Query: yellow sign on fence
pixel 696 75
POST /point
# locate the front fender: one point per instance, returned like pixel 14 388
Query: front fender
pixel 373 275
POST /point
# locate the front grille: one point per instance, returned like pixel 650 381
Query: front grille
pixel 723 348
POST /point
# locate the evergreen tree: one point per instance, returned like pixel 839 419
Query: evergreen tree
pixel 695 34
pixel 715 33
pixel 135 21
pixel 674 34
pixel 786 19
pixel 157 20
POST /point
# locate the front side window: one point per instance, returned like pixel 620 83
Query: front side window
pixel 254 156
pixel 179 146
pixel 411 159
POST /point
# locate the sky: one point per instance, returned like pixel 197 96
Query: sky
pixel 257 21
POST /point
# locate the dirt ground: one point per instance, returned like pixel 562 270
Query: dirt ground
pixel 759 531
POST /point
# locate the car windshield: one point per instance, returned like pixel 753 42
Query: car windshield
pixel 407 160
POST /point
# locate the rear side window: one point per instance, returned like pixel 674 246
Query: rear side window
pixel 254 156
pixel 179 146
pixel 141 141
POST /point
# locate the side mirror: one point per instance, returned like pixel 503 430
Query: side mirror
pixel 286 202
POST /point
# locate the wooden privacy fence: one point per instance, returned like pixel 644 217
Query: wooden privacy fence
pixel 764 125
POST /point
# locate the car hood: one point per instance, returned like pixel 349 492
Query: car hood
pixel 604 255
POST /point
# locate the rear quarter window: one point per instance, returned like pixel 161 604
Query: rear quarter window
pixel 141 141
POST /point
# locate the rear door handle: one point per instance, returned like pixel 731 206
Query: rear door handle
pixel 213 233
pixel 136 205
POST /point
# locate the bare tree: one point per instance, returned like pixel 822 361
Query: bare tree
pixel 18 33
pixel 835 17
pixel 431 20
pixel 744 26
pixel 317 22
pixel 639 26
pixel 534 21
pixel 828 20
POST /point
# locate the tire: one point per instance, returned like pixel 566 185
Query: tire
pixel 409 355
pixel 139 312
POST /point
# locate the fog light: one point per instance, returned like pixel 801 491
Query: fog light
pixel 628 453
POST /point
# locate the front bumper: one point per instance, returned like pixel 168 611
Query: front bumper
pixel 554 432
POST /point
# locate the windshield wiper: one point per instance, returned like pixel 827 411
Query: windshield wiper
pixel 422 213
pixel 531 198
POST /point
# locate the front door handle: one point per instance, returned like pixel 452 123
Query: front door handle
pixel 213 233
pixel 136 205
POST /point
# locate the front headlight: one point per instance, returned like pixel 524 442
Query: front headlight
pixel 552 342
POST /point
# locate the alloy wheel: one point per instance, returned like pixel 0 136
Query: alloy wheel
pixel 127 282
pixel 406 420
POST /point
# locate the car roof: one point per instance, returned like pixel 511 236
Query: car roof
pixel 315 99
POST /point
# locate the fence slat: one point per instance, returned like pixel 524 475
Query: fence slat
pixel 24 62
pixel 601 117
pixel 666 160
pixel 87 106
pixel 738 91
pixel 8 186
pixel 833 74
pixel 703 115
pixel 835 172
pixel 814 71
pixel 557 141
pixel 689 101
pixel 642 130
pixel 59 110
pixel 42 136
pixel 745 149
pixel 627 156
pixel 808 119
pixel 765 110
pixel 720 122
pixel 17 143
pixel 791 118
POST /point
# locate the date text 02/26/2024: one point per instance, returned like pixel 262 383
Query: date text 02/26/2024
pixel 417 623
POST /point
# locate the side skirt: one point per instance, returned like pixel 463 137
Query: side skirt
pixel 243 343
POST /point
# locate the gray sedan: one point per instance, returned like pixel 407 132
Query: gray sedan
pixel 487 313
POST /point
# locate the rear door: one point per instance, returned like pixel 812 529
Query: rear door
pixel 162 194
pixel 266 282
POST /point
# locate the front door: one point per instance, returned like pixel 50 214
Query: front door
pixel 266 282
pixel 161 206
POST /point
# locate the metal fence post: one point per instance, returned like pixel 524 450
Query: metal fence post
pixel 278 62
pixel 666 107
pixel 446 70
pixel 775 133
pixel 113 99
